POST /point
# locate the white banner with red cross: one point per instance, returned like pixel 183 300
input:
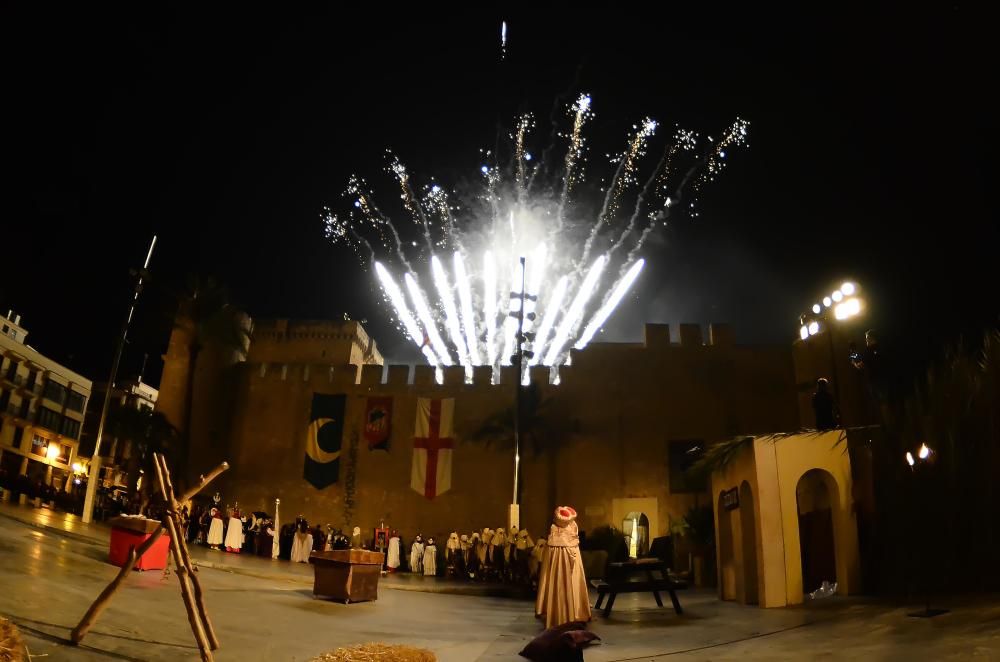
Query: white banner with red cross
pixel 433 446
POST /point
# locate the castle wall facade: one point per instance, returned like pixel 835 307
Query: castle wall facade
pixel 606 437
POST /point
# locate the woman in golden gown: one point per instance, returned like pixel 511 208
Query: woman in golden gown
pixel 562 587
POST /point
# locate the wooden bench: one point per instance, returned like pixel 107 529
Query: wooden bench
pixel 611 589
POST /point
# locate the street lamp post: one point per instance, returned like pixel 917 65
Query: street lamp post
pixel 920 464
pixel 844 304
pixel 513 516
pixel 95 462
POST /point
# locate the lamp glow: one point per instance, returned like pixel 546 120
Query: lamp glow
pixel 817 308
pixel 52 452
pixel 924 452
pixel 827 301
pixel 837 296
pixel 813 328
pixel 804 332
pixel 848 288
pixel 909 458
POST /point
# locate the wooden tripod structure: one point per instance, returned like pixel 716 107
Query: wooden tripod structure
pixel 191 591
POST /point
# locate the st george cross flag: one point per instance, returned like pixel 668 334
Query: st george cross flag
pixel 430 474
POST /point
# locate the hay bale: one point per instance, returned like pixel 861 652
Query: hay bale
pixel 11 645
pixel 375 652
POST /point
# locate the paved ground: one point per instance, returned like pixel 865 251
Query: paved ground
pixel 51 568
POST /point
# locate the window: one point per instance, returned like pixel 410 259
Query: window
pixel 32 377
pixel 4 400
pixel 39 445
pixel 683 454
pixel 74 401
pixel 18 435
pixel 25 408
pixel 50 419
pixel 12 370
pixel 70 428
pixel 64 452
pixel 55 392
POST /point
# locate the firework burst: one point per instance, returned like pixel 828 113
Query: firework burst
pixel 471 250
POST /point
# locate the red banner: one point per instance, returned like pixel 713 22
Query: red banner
pixel 378 417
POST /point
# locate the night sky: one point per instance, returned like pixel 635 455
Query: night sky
pixel 871 142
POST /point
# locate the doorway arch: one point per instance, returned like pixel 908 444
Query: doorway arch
pixel 727 559
pixel 748 532
pixel 815 498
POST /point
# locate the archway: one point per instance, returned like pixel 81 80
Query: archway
pixel 748 529
pixel 814 495
pixel 635 526
pixel 727 561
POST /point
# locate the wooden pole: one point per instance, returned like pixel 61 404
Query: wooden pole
pixel 102 601
pixel 199 596
pixel 202 482
pixel 194 618
pixel 183 574
pixel 193 599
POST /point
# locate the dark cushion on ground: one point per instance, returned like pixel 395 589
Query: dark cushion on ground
pixel 563 643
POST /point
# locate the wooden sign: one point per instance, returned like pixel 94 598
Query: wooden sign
pixel 731 499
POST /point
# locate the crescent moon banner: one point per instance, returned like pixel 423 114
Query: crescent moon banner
pixel 323 440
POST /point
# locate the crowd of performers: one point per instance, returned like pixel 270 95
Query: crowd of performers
pixel 490 555
pixel 493 555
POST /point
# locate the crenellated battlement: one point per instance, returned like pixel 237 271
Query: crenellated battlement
pixel 594 357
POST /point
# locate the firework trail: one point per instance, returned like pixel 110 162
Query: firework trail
pixel 522 210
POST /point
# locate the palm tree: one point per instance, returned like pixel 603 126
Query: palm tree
pixel 540 424
pixel 148 432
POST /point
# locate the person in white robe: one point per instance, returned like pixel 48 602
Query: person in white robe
pixel 473 557
pixel 417 555
pixel 452 553
pixel 215 530
pixel 521 555
pixel 302 543
pixel 496 552
pixel 430 559
pixel 537 558
pixel 392 558
pixel 234 532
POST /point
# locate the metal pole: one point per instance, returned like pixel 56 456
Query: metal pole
pixel 95 461
pixel 518 352
pixel 833 365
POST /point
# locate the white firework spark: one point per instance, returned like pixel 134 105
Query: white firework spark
pixel 526 209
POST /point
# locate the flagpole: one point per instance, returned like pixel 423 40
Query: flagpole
pixel 275 540
pixel 514 514
pixel 95 461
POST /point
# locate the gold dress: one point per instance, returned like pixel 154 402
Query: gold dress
pixel 562 587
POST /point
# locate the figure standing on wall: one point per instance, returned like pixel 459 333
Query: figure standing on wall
pixel 356 538
pixel 392 557
pixel 823 406
pixel 562 586
pixel 430 558
pixel 417 555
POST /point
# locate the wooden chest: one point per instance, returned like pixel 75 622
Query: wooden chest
pixel 350 575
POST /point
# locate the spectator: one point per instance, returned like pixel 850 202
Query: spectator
pixel 823 406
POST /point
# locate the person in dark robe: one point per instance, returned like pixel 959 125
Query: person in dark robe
pixel 823 406
pixel 319 538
